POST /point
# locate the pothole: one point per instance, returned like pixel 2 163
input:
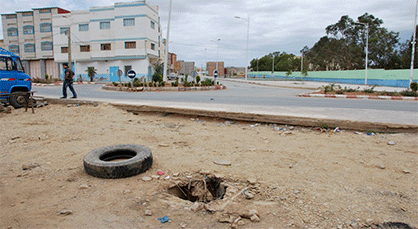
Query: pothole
pixel 204 190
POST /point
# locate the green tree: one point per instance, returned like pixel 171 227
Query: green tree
pixel 405 54
pixel 91 72
pixel 158 67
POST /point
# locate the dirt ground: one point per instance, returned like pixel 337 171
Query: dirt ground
pixel 297 178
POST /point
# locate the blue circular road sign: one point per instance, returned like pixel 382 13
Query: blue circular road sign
pixel 131 74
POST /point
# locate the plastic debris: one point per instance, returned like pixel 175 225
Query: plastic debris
pixel 371 134
pixel 337 130
pixel 391 143
pixel 359 133
pixel 160 173
pixel 164 219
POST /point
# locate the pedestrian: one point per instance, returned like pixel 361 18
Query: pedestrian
pixel 68 82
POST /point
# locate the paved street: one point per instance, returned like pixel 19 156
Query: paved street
pixel 257 99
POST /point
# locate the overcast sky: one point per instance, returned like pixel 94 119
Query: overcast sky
pixel 275 25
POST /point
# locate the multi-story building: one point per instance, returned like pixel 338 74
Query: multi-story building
pixel 1 43
pixel 172 59
pixel 29 34
pixel 211 66
pixel 122 36
pixel 186 68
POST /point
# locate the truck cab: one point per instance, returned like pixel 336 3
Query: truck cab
pixel 13 79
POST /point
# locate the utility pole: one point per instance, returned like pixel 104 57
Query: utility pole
pixel 413 46
pixel 272 71
pixel 166 45
pixel 69 47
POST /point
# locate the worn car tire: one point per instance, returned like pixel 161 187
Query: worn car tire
pixel 17 100
pixel 100 162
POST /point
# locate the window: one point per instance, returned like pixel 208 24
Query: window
pixel 12 32
pixel 28 29
pixel 6 63
pixel 14 48
pixel 46 46
pixel 129 22
pixel 46 27
pixel 127 68
pixel 105 25
pixel 130 45
pixel 64 49
pixel 105 47
pixel 152 25
pixel 27 14
pixel 152 46
pixel 29 47
pixel 84 48
pixel 83 27
pixel 43 11
pixel 64 30
pixel 11 16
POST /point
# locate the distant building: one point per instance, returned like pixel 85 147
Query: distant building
pixel 235 72
pixel 186 67
pixel 211 66
pixel 2 43
pixel 172 59
pixel 122 36
pixel 29 34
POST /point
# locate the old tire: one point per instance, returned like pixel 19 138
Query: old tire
pixel 17 100
pixel 118 161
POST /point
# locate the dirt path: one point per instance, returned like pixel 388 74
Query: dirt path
pixel 299 178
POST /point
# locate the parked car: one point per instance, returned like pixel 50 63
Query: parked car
pixel 13 79
pixel 172 76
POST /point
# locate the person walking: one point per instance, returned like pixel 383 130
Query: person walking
pixel 68 82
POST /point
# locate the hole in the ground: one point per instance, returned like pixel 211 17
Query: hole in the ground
pixel 205 190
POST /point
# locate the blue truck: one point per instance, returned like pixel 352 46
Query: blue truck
pixel 14 82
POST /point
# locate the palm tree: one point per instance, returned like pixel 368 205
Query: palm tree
pixel 91 72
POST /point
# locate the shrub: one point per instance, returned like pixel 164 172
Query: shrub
pixel 369 90
pixel 197 79
pixel 115 84
pixel 408 93
pixel 207 82
pixel 161 84
pixel 414 86
pixel 157 77
pixel 150 84
pixel 175 84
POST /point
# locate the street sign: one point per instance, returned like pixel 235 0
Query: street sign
pixel 131 74
pixel 119 73
pixel 215 73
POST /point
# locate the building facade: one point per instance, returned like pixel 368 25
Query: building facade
pixel 186 68
pixel 29 34
pixel 211 66
pixel 123 36
pixel 1 43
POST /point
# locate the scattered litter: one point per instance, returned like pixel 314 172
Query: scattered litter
pixel 66 212
pixel 167 177
pixel 146 178
pixel 148 213
pixel 337 130
pixel 164 219
pixel 225 163
pixel 371 134
pixel 280 129
pixel 391 143
pixel 160 173
pixel 406 171
pixel 359 133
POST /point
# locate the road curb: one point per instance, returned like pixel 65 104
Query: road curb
pixel 359 97
pixel 60 84
pixel 256 117
pixel 163 89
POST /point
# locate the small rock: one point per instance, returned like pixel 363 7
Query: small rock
pixel 84 186
pixel 406 171
pixel 392 143
pixel 71 179
pixel 297 192
pixel 241 223
pixel 146 178
pixel 30 166
pixel 253 212
pixel 66 212
pixel 148 213
pixel 252 180
pixel 248 195
pixel 369 221
pixel 223 162
pixel 204 172
pixel 219 176
pixel 163 145
pixel 340 226
pixel 226 219
pixel 288 133
pixel 155 177
pixel 176 175
pixel 183 225
pixel 255 218
pixel 15 137
pixel 196 207
pixel 127 191
pixel 382 167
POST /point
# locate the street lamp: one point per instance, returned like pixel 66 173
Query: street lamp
pixel 367 46
pixel 248 36
pixel 413 47
pixel 166 45
pixel 217 54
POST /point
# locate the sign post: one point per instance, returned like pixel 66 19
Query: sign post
pixel 131 74
pixel 119 73
pixel 215 75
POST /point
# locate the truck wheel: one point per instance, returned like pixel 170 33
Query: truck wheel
pixel 17 100
pixel 118 161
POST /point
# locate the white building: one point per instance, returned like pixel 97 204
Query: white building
pixel 29 35
pixel 123 36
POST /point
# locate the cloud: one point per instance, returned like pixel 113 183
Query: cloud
pixel 275 25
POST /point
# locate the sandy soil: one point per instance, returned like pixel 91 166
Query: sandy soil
pixel 304 178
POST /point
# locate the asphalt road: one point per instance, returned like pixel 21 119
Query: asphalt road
pixel 242 97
